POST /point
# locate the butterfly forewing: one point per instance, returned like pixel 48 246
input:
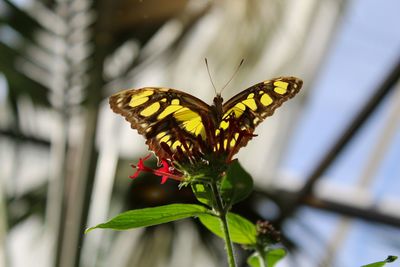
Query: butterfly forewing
pixel 164 115
pixel 251 106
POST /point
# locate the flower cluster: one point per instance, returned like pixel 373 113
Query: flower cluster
pixel 266 233
pixel 166 171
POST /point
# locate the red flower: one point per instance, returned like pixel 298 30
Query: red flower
pixel 140 167
pixel 166 171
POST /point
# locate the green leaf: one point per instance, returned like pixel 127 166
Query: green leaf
pixel 381 263
pixel 203 194
pixel 236 185
pixel 241 230
pixel 151 216
pixel 270 257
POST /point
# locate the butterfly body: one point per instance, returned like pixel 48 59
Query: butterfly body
pixel 176 123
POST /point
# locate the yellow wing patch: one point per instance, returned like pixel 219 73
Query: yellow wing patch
pixel 168 110
pixel 191 121
pixel 237 110
pixel 280 87
pixel 266 100
pixel 150 110
pixel 140 98
pixel 165 138
pixel 176 144
pixel 250 102
pixel 223 125
pixel 160 135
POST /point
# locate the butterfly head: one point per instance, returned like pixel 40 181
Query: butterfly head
pixel 218 100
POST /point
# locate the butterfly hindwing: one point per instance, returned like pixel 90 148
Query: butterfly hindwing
pixel 163 115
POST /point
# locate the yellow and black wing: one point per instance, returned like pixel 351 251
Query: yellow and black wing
pixel 251 106
pixel 164 115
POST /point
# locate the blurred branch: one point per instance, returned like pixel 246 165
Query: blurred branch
pixel 23 137
pixel 33 202
pixel 20 83
pixel 369 214
pixel 21 21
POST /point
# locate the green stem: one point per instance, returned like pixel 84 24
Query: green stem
pixel 224 224
pixel 260 257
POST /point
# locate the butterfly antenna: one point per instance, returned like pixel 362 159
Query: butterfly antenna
pixel 209 75
pixel 233 75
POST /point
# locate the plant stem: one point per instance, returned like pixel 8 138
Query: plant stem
pixel 224 224
pixel 228 242
pixel 260 257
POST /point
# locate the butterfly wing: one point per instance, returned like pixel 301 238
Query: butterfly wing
pixel 251 106
pixel 164 115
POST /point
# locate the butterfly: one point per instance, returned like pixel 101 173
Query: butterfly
pixel 174 122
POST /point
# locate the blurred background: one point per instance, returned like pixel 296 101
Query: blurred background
pixel 326 165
